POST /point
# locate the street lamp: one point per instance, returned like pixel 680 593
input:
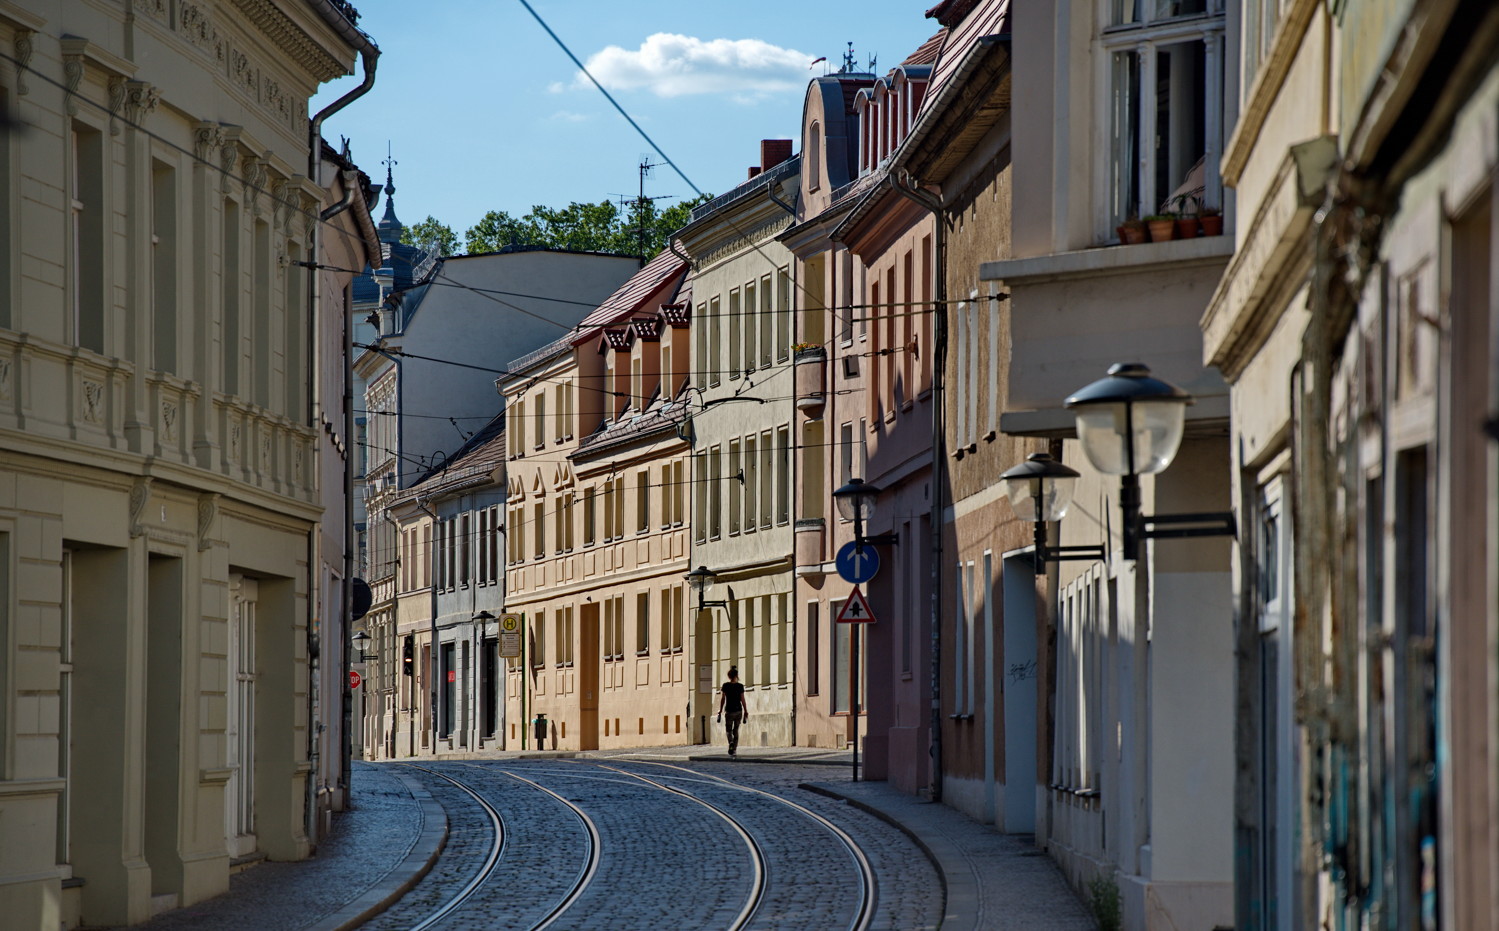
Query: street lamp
pixel 1040 490
pixel 483 616
pixel 700 580
pixel 1130 424
pixel 361 640
pixel 855 502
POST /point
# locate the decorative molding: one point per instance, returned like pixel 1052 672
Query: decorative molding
pixel 24 50
pixel 208 511
pixel 196 26
pixel 141 99
pixel 746 238
pixel 298 455
pixel 93 398
pixel 265 452
pixel 236 431
pixel 6 391
pixel 208 139
pixel 116 103
pixel 169 421
pixel 253 173
pixel 72 72
pixel 140 496
pixel 156 9
pixel 292 39
pixel 228 156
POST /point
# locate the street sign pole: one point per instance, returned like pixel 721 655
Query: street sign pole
pixel 525 687
pixel 853 690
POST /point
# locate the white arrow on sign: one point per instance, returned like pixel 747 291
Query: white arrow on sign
pixel 855 610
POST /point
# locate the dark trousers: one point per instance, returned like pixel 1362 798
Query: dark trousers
pixel 731 721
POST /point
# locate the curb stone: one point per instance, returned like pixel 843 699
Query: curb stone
pixel 404 875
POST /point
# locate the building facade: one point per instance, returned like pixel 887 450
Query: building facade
pixel 163 584
pixel 597 526
pixel 1141 735
pixel 742 448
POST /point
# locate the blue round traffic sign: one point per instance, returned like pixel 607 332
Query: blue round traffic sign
pixel 857 563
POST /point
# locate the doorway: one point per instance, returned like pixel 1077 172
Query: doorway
pixel 1019 677
pixel 588 678
pixel 239 793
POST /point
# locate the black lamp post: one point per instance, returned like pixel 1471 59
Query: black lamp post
pixel 1040 490
pixel 1130 424
pixel 361 640
pixel 856 502
pixel 700 580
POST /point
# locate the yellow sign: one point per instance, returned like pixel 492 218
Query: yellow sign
pixel 510 623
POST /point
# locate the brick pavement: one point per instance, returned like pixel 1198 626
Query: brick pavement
pixel 380 848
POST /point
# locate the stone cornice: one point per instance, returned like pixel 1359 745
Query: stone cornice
pixel 292 39
pixel 1268 83
pixel 21 17
pixel 737 239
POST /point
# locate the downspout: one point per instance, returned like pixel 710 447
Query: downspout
pixel 369 56
pixel 906 186
pixel 350 179
pixel 770 193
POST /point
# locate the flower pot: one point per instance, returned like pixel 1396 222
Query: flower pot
pixel 1186 227
pixel 1212 226
pixel 1161 230
pixel 1132 233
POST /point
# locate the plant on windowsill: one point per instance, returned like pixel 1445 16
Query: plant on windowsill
pixel 1212 221
pixel 1162 227
pixel 1185 208
pixel 1132 231
pixel 808 351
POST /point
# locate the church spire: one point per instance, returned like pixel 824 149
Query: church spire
pixel 390 228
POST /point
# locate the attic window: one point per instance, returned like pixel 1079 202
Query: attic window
pixel 814 157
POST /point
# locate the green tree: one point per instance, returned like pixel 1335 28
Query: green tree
pixel 583 227
pixel 431 232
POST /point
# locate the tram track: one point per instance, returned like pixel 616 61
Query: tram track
pixel 760 872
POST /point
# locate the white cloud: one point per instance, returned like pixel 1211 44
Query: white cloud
pixel 568 116
pixel 671 65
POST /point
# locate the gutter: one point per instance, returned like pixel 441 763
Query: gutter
pixel 369 56
pixel 906 186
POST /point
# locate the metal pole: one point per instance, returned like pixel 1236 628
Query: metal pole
pixel 525 689
pixel 853 690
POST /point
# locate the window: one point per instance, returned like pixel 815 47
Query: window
pixel 700 497
pixel 1167 109
pixel 768 319
pixel 767 478
pixel 907 331
pixel 608 509
pixel 735 478
pixel 164 268
pixel 590 516
pixel 609 641
pixel 751 323
pixel 567 521
pixel 751 509
pixel 559 525
pixel 538 639
pixel 812 162
pixel 539 421
pixel 715 494
pixel 783 474
pixel 619 508
pixel 643 500
pixel 845 453
pixel 465 566
pixel 642 623
pixel 232 287
pixel 678 612
pixel 700 344
pixel 88 214
pixel 715 342
pixel 735 322
pixel 539 527
pixel 814 648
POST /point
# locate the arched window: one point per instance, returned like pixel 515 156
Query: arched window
pixel 812 157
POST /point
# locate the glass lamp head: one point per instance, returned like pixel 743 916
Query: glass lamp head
pixel 700 580
pixel 1040 488
pixel 856 500
pixel 1130 422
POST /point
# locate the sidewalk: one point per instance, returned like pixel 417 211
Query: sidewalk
pixel 994 882
pixel 375 852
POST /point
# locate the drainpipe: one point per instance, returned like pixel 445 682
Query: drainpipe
pixel 908 187
pixel 369 56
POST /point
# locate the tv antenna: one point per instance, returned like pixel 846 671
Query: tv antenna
pixel 642 204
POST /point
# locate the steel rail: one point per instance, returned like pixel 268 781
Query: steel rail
pixel 590 866
pixel 757 856
pixel 868 890
pixel 490 861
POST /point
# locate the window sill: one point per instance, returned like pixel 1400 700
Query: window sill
pixel 640 653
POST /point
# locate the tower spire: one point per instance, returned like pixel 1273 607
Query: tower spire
pixel 390 227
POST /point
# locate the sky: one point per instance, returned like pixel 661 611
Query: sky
pixel 483 111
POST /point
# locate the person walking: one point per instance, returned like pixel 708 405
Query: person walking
pixel 731 701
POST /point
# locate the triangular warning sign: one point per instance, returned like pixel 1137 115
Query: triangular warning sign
pixel 855 610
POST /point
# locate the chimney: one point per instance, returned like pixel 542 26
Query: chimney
pixel 773 152
pixel 754 170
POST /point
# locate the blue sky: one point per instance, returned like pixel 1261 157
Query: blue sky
pixel 483 111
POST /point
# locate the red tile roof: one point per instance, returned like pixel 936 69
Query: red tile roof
pixel 989 17
pixel 659 278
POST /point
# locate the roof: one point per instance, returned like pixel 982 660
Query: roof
pixel 473 462
pixel 776 173
pixel 652 277
pixel 926 53
pixel 983 19
pixel 659 416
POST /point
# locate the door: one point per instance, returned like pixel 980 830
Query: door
pixel 239 802
pixel 588 678
pixel 1273 899
pixel 1019 692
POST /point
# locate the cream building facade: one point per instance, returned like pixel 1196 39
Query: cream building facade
pixel 597 524
pixel 160 488
pixel 742 447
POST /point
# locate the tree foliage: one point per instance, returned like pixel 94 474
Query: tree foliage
pixel 431 232
pixel 583 227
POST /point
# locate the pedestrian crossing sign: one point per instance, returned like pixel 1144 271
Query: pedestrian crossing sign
pixel 855 610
